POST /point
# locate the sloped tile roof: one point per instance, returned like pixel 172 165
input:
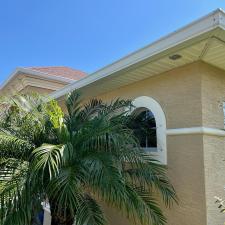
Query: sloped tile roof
pixel 60 71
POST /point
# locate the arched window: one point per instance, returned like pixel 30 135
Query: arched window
pixel 150 127
pixel 144 127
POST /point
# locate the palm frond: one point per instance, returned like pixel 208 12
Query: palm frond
pixel 73 103
pixel 75 161
pixel 149 173
pixel 16 195
pixel 89 212
pixel 47 159
pixel 14 147
pixel 64 192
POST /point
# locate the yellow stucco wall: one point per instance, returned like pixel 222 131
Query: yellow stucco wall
pixel 32 89
pixel 179 94
pixel 26 83
pixel 213 96
pixel 190 96
pixel 177 91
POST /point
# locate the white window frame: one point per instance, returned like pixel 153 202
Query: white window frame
pixel 136 111
pixel 160 119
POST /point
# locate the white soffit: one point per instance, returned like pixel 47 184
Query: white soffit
pixel 215 54
pixel 199 40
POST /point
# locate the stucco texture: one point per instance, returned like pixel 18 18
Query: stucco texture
pixel 213 96
pixel 179 94
pixel 190 96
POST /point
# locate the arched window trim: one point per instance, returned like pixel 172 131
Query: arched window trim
pixel 152 105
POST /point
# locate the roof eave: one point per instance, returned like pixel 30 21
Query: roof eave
pixel 21 70
pixel 215 19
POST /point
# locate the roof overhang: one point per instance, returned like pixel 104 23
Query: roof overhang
pixel 200 40
pixel 24 77
pixel 20 70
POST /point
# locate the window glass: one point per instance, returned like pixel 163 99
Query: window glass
pixel 144 127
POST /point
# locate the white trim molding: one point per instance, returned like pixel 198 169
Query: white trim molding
pixel 196 130
pixel 155 108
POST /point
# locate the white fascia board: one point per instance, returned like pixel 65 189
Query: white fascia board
pixel 221 18
pixel 11 76
pixel 196 28
pixel 35 74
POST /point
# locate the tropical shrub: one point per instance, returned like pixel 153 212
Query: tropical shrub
pixel 75 161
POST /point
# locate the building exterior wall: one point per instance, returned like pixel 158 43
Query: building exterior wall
pixel 177 91
pixel 179 94
pixel 32 89
pixel 214 161
pixel 213 96
pixel 25 83
pixel 190 96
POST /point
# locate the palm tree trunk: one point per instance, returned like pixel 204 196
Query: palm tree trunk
pixel 59 220
pixel 60 217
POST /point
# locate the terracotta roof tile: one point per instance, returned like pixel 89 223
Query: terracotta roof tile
pixel 60 71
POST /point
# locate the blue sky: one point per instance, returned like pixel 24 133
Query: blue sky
pixel 87 34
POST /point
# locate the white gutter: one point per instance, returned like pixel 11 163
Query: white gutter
pixel 37 74
pixel 200 26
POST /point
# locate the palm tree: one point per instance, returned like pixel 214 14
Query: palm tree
pixel 75 161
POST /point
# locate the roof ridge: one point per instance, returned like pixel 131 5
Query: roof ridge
pixel 47 67
pixel 57 71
